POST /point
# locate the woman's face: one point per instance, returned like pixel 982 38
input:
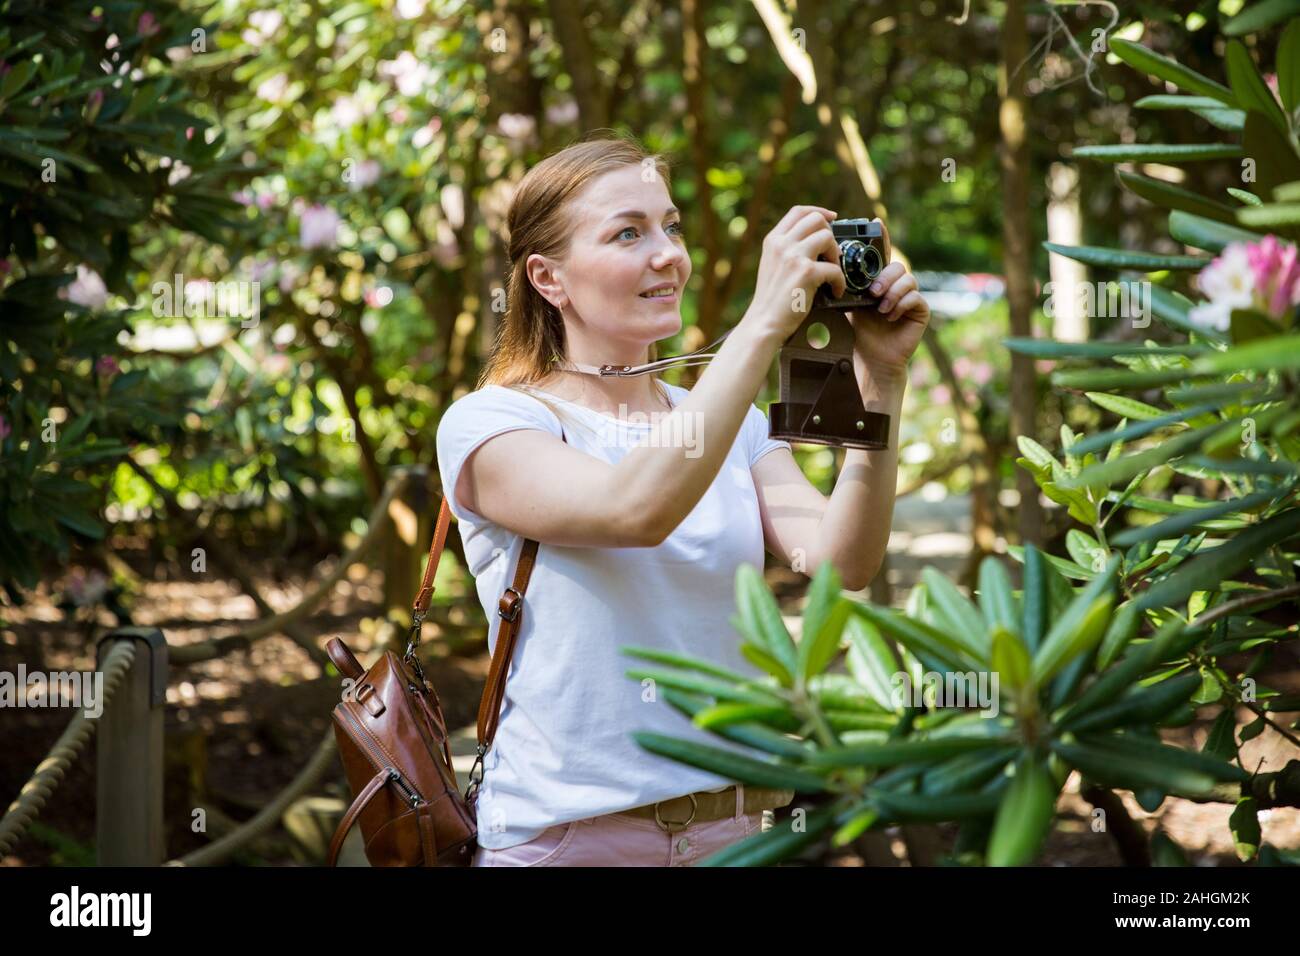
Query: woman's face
pixel 627 240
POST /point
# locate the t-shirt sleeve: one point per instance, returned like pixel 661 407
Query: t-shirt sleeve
pixel 473 419
pixel 756 428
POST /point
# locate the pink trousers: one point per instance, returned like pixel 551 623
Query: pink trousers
pixel 614 839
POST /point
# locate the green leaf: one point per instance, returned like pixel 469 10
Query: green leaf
pixel 897 752
pixel 1139 429
pixel 1288 63
pixel 1140 706
pixel 732 765
pixel 1175 197
pixel 1222 738
pixel 1270 215
pixel 722 715
pixel 1035 598
pixel 1159 153
pixel 917 637
pixel 722 690
pixel 1127 258
pixel 683 661
pixel 1010 659
pixel 1252 93
pixel 926 808
pixel 1081 626
pixel 1122 469
pixel 957 614
pixel 1162 67
pixel 1244 824
pixel 1177 525
pixel 1272 150
pixel 1209 568
pixel 1114 680
pixel 823 622
pixel 1250 199
pixel 1116 767
pixel 1025 815
pixel 1049 348
pixel 997 601
pixel 1261 16
pixel 760 617
pixel 870 660
pixel 1205 233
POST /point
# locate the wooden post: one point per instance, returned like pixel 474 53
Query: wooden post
pixel 129 786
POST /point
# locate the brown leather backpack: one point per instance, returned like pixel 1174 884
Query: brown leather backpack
pixel 393 741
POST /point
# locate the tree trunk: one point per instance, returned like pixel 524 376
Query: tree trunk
pixel 1013 119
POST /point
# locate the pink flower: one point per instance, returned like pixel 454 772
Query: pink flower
pixel 87 289
pixel 1277 274
pixel 147 25
pixel 318 227
pixel 1044 365
pixel 107 365
pixel 940 395
pixel 4 428
pixel 981 373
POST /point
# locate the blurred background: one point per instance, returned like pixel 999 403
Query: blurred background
pixel 254 473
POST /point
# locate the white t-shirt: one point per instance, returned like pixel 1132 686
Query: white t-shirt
pixel 563 749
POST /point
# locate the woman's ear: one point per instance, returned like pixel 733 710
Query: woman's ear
pixel 542 275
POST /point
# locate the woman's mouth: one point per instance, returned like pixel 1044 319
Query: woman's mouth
pixel 666 293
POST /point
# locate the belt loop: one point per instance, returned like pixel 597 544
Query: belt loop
pixel 740 801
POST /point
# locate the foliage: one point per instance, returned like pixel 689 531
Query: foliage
pixel 1084 675
pixel 100 153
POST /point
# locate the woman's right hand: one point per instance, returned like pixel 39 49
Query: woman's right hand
pixel 789 272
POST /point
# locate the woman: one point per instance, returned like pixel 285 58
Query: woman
pixel 640 528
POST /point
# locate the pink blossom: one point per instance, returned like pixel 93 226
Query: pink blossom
pixel 1044 365
pixel 147 25
pixel 981 373
pixel 87 289
pixel 95 98
pixel 4 428
pixel 940 395
pixel 265 201
pixel 107 365
pixel 1277 274
pixel 318 227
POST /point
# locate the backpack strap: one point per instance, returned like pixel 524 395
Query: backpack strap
pixel 510 608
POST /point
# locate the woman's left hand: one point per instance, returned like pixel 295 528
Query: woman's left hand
pixel 886 337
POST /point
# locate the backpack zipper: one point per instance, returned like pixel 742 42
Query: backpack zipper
pixel 413 796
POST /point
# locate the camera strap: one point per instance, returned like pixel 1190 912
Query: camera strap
pixel 627 371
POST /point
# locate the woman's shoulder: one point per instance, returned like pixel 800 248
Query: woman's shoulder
pixel 492 402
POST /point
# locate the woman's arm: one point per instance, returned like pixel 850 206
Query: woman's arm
pixel 802 526
pixel 543 488
pixel 539 486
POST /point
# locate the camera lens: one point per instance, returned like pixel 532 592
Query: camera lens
pixel 860 264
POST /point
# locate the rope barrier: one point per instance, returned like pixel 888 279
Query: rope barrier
pixel 49 772
pixel 266 818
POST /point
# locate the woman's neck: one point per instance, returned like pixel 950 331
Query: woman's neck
pixel 605 394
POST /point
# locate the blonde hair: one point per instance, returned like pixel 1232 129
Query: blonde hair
pixel 531 337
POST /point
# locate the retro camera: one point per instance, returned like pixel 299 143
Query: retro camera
pixel 820 401
pixel 864 252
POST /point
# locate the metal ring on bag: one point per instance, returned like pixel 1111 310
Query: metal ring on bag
pixel 664 826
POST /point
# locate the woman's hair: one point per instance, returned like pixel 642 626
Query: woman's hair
pixel 531 337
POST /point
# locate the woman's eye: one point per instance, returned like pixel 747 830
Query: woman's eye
pixel 628 229
pixel 678 226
